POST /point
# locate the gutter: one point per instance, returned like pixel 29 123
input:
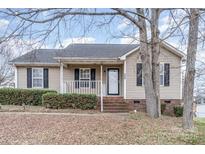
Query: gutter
pixel 32 63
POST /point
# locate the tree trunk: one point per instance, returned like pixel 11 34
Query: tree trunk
pixel 146 57
pixel 190 69
pixel 155 49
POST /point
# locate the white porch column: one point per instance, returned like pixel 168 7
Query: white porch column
pixel 101 88
pixel 15 77
pixel 61 78
pixel 125 78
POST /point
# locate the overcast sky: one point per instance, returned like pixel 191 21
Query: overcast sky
pixel 94 30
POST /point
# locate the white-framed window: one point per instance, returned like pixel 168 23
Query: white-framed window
pixel 161 71
pixel 37 77
pixel 85 76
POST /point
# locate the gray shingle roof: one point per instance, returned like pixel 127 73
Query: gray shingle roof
pixel 76 50
pixel 38 56
pixel 96 50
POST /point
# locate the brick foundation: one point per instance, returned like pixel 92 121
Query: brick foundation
pixel 139 105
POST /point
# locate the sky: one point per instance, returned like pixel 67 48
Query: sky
pixel 86 29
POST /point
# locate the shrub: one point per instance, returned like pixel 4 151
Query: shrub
pixel 178 111
pixel 52 100
pixel 63 101
pixel 12 96
pixel 163 107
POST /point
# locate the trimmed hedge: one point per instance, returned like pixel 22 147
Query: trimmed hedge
pixel 63 101
pixel 178 111
pixel 12 96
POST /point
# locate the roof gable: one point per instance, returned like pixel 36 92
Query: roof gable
pixel 164 44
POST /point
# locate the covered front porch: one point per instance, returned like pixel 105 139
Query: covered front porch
pixel 101 77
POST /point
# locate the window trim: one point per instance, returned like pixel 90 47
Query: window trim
pixel 42 78
pixel 81 79
pixel 161 63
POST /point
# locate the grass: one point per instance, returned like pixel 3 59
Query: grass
pixel 167 134
pixel 200 125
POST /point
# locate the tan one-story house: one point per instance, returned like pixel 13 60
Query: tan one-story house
pixel 108 70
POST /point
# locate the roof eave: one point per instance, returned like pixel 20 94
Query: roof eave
pixel 33 64
pixel 123 57
pixel 174 50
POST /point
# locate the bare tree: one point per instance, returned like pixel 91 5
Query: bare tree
pixel 155 48
pixel 6 71
pixel 190 69
pixel 146 57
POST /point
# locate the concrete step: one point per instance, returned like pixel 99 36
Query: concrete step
pixel 113 99
pixel 114 104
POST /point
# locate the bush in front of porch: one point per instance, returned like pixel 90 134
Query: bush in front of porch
pixel 63 101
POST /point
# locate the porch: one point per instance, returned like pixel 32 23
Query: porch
pixel 105 79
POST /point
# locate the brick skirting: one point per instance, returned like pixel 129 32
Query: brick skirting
pixel 139 105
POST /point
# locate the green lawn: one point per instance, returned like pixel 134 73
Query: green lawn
pixel 200 124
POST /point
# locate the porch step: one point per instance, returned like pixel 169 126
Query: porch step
pixel 115 111
pixel 113 99
pixel 114 105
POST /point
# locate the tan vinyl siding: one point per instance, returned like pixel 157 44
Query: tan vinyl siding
pixel 22 77
pixel 171 92
pixel 54 80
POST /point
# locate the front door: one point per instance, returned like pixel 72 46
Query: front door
pixel 113 81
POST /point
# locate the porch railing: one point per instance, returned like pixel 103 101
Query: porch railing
pixel 83 87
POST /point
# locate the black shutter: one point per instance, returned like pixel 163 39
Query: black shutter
pixel 93 78
pixel 139 74
pixel 29 77
pixel 166 74
pixel 76 77
pixel 45 77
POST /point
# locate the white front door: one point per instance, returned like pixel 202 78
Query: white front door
pixel 113 81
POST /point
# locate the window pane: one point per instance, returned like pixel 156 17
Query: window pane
pixel 37 72
pixel 161 70
pixel 85 73
pixel 37 83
